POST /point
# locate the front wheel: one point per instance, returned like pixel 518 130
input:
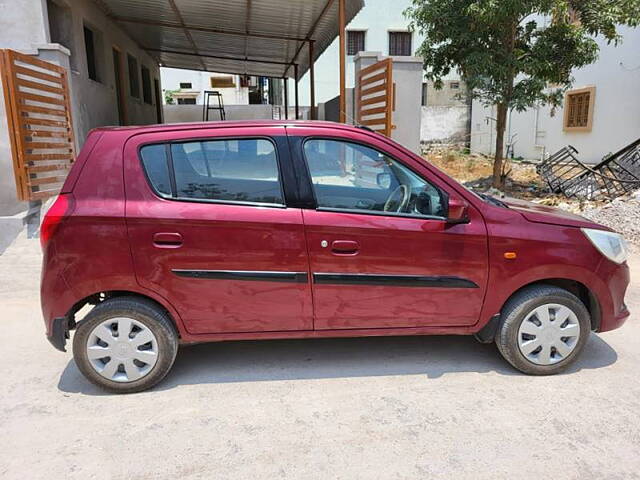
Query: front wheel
pixel 125 345
pixel 543 330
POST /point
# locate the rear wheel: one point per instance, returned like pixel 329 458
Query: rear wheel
pixel 125 345
pixel 543 330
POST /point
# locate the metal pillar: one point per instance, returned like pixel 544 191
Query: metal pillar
pixel 285 80
pixel 343 55
pixel 295 79
pixel 312 83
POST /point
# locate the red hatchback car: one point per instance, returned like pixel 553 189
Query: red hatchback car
pixel 226 231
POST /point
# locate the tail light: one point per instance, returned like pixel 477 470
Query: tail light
pixel 56 214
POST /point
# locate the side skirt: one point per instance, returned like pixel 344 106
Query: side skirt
pixel 341 333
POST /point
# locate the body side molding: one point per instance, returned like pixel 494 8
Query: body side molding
pixel 392 280
pixel 247 275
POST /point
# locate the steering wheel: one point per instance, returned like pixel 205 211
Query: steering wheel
pixel 406 195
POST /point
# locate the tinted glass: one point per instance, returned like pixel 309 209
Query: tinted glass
pixel 231 170
pixel 154 159
pixel 354 177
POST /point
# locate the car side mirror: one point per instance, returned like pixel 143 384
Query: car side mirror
pixel 384 180
pixel 457 211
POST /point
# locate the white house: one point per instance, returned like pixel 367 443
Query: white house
pixel 379 27
pixel 187 87
pixel 600 115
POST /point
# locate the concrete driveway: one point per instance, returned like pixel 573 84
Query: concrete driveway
pixel 407 407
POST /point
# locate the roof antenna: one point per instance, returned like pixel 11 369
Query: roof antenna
pixel 353 122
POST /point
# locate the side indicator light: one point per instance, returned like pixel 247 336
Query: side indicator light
pixel 510 255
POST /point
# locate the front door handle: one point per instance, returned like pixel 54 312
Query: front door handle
pixel 345 247
pixel 167 240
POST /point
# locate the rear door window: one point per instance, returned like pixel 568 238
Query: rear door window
pixel 229 170
pixel 154 160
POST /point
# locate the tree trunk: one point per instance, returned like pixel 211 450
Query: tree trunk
pixel 501 123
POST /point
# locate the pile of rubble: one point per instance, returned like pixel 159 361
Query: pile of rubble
pixel 622 215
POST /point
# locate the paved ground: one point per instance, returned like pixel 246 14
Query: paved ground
pixel 433 407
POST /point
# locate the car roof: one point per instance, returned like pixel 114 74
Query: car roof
pixel 225 124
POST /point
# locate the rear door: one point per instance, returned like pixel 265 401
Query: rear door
pixel 381 253
pixel 211 231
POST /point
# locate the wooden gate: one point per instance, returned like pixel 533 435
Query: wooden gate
pixel 36 95
pixel 375 96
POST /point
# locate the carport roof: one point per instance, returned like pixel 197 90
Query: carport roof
pixel 253 37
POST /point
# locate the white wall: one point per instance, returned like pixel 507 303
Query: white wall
pixel 444 124
pixel 201 81
pixel 193 113
pixel 9 205
pixel 24 23
pixel 616 117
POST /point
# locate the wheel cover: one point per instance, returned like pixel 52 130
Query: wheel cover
pixel 122 349
pixel 549 334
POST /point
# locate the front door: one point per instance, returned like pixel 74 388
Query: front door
pixel 210 230
pixel 381 253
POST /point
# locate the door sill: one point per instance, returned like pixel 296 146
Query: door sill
pixel 337 333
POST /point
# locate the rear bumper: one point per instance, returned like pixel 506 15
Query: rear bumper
pixel 59 333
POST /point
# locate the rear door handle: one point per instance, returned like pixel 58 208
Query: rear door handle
pixel 167 240
pixel 344 247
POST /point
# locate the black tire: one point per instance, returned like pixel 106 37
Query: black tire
pixel 516 310
pixel 143 311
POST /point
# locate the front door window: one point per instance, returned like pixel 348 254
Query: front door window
pixel 351 177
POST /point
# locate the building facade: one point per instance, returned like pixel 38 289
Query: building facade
pixel 600 114
pixel 379 27
pixel 382 27
pixel 111 80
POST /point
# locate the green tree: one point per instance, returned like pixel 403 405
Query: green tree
pixel 168 97
pixel 515 53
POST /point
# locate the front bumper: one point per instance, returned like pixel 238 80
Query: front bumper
pixel 614 310
pixel 615 321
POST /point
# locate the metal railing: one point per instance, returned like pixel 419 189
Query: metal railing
pixel 615 175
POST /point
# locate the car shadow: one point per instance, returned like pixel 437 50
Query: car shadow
pixel 273 360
